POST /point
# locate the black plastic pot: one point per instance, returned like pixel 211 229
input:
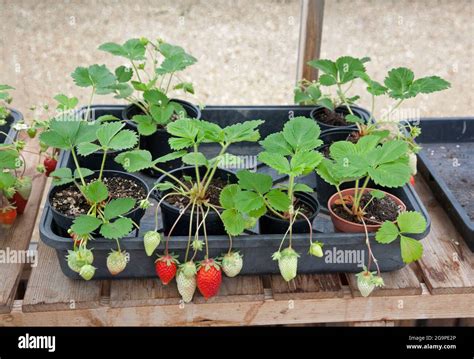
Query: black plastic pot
pixel 446 163
pixel 270 224
pixel 14 117
pixel 94 160
pixel 256 248
pixel 358 111
pixel 157 143
pixel 65 222
pixel 170 214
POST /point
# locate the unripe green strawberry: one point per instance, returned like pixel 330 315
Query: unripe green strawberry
pixel 87 272
pixel 367 281
pixel 316 249
pixel 287 263
pixel 151 241
pixel 116 262
pixel 73 262
pixel 31 132
pixel 186 286
pixel 85 255
pixel 232 264
pixel 189 269
pixel 365 284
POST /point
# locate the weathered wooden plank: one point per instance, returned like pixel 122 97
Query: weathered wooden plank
pixel 448 322
pixel 17 238
pixel 307 286
pixel 50 290
pixel 311 28
pixel 142 292
pixel 238 289
pixel 401 282
pixel 269 312
pixel 447 262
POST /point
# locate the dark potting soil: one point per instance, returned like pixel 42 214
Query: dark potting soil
pixel 379 210
pixel 213 193
pixel 70 202
pixel 332 118
pixel 454 163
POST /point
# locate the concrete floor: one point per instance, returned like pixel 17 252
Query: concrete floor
pixel 246 50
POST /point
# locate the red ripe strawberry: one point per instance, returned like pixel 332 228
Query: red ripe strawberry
pixel 412 180
pixel 7 216
pixel 49 165
pixel 209 278
pixel 166 267
pixel 23 191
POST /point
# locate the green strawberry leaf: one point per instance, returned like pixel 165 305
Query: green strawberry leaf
pixel 135 160
pixel 302 134
pixel 276 143
pixel 117 229
pixel 123 140
pixel 61 176
pixel 123 74
pixel 195 159
pixel 257 182
pixel 86 148
pixel 411 249
pixel 133 49
pixel 185 86
pixel 399 81
pixel 66 103
pixel 107 131
pixel 428 85
pixel 118 207
pixel 234 222
pixel 97 76
pixel 275 161
pixel 84 224
pixel 227 196
pixel 301 187
pixel 393 174
pixel 146 125
pixel 278 200
pixel 387 233
pixel 326 66
pixel 169 157
pixel 246 201
pixel 95 192
pixel 245 131
pixel 411 222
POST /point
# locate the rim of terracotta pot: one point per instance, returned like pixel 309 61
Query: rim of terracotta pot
pixel 369 226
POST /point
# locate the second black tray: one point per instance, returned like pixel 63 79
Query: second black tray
pixel 447 164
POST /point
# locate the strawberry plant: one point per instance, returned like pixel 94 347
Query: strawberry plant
pixel 290 152
pixel 105 216
pixel 15 187
pixel 194 192
pixel 146 83
pixel 341 75
pixel 385 162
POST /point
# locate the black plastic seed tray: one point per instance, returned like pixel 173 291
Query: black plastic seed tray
pixel 343 252
pixel 7 128
pixel 447 163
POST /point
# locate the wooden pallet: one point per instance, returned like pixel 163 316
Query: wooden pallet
pixel 441 285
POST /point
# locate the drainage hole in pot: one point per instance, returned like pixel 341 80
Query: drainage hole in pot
pixel 378 210
pixel 70 202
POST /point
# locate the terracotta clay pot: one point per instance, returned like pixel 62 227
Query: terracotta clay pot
pixel 342 225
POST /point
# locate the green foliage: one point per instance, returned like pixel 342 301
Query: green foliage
pixel 96 76
pixel 401 84
pixel 386 164
pixel 133 49
pixel 235 221
pixel 298 140
pixel 407 223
